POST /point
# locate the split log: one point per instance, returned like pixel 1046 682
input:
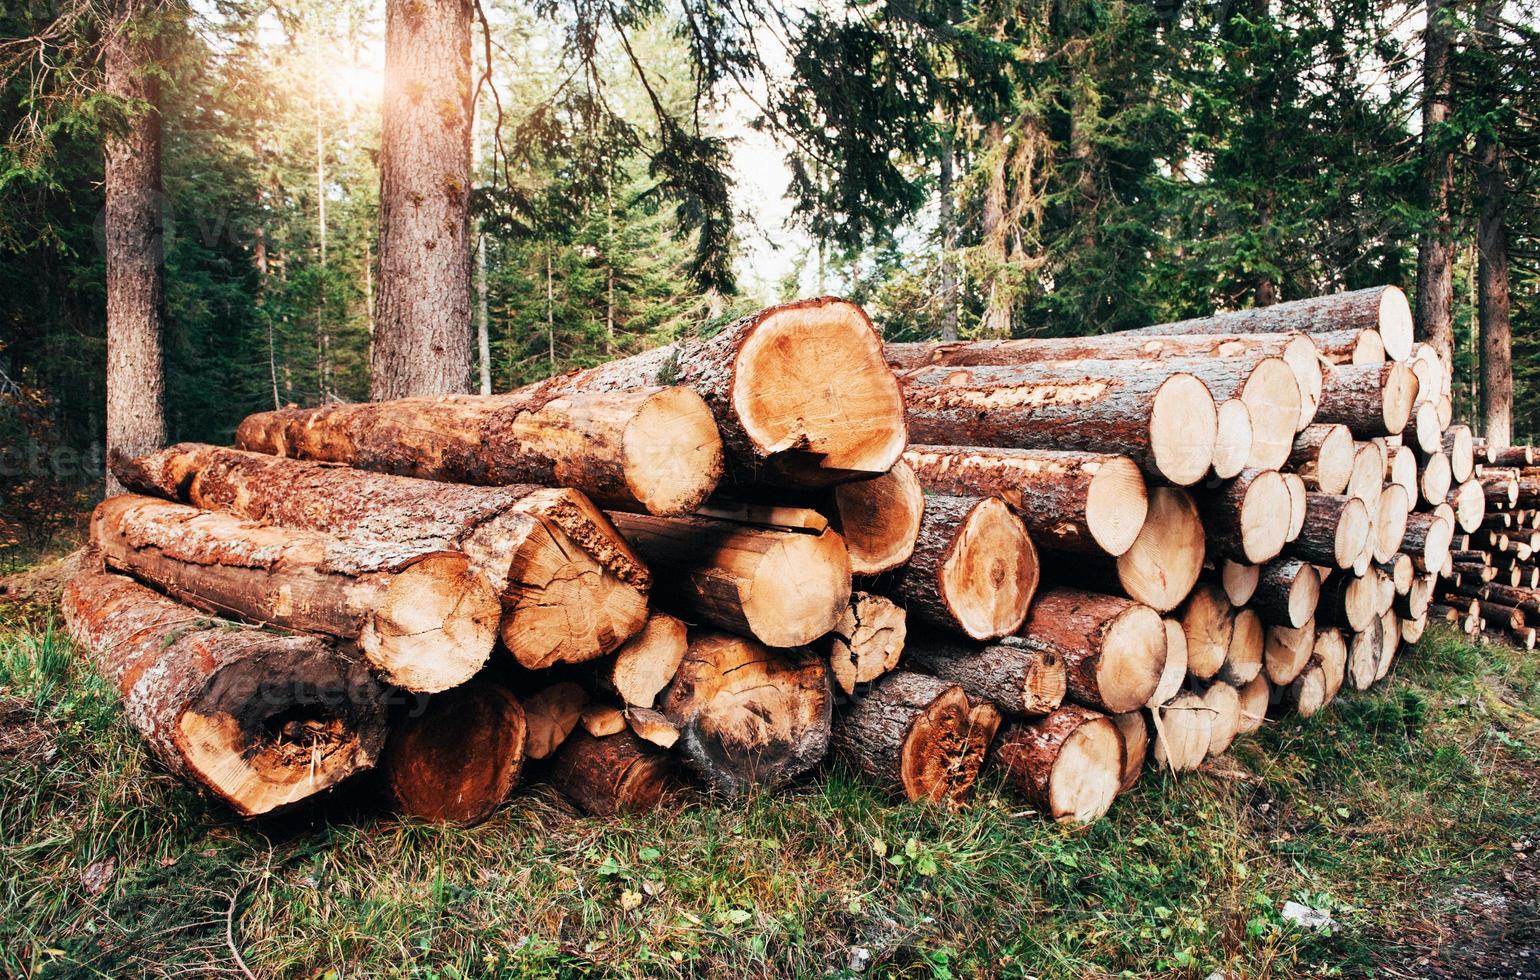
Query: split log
pixel 1435 479
pixel 259 719
pixel 1254 699
pixel 1248 518
pixel 1288 592
pixel 1209 623
pixel 918 737
pixel 1079 502
pixel 1428 536
pixel 1459 445
pixel 1164 562
pixel 550 715
pixel 458 758
pixel 1183 728
pixel 1243 659
pixel 652 727
pixel 1135 729
pixel 879 519
pixel 1233 439
pixel 748 716
pixel 784 588
pixel 1383 309
pixel 1021 676
pixel 1372 400
pixel 1335 533
pixel 652 449
pixel 1174 674
pixel 615 774
pixel 1166 422
pixel 600 720
pixel 1239 581
pixel 424 619
pixel 974 569
pixel 571 589
pixel 1286 652
pixel 1114 650
pixel 1224 702
pixel 1323 456
pixel 1390 524
pixel 644 664
pixel 1069 765
pixel 867 641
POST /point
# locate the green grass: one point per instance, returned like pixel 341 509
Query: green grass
pixel 1375 810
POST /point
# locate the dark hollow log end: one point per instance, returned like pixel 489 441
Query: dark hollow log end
pixel 945 748
pixel 460 758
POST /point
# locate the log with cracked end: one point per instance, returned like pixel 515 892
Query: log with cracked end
pixel 261 720
pixel 425 619
pixel 919 737
pixel 867 641
pixel 1183 728
pixel 459 757
pixel 1069 764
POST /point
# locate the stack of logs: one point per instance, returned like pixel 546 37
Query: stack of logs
pixel 786 541
pixel 1494 591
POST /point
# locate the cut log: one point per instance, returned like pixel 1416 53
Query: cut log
pixel 1469 503
pixel 1224 702
pixel 974 569
pixel 1091 503
pixel 1458 445
pixel 1433 377
pixel 1287 592
pixel 652 449
pixel 259 719
pixel 1166 422
pixel 1134 726
pixel 867 641
pixel 615 774
pixel 424 619
pixel 1399 572
pixel 1390 640
pixel 1247 519
pixel 1243 660
pixel 1390 524
pixel 652 727
pixel 1423 430
pixel 1350 601
pixel 749 716
pixel 1332 651
pixel 1165 560
pixel 1174 674
pixel 785 588
pixel 1372 400
pixel 457 758
pixel 1021 676
pixel 1069 765
pixel 1239 581
pixel 918 737
pixel 879 519
pixel 1350 346
pixel 1401 470
pixel 1501 487
pixel 800 392
pixel 1298 502
pixel 1501 616
pixel 644 664
pixel 1114 650
pixel 1233 439
pixel 1254 699
pixel 550 715
pixel 1510 455
pixel 1183 729
pixel 1383 309
pixel 1368 474
pixel 1364 655
pixel 1435 479
pixel 1428 536
pixel 1323 456
pixel 600 720
pixel 1306 694
pixel 571 589
pixel 1209 624
pixel 1286 652
pixel 1335 533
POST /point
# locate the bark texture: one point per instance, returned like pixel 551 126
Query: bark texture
pixel 1113 650
pixel 1020 676
pixel 1069 764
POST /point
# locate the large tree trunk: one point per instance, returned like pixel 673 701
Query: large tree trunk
pixel 260 719
pixel 136 384
pixel 1166 422
pixel 423 618
pixel 1019 676
pixel 1113 650
pixel 1435 253
pixel 458 757
pixel 800 392
pixel 1069 764
pixel 918 736
pixel 1492 276
pixel 570 586
pixel 422 337
pixel 649 449
pixel 748 715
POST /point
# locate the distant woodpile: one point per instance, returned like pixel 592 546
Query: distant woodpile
pixel 733 557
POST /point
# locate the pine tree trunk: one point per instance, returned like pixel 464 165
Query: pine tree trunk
pixel 1492 275
pixel 483 338
pixel 1435 253
pixel 950 301
pixel 422 339
pixel 136 385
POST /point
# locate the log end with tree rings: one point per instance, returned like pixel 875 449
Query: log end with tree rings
pixel 1239 580
pixel 1351 538
pixel 1224 701
pixel 1364 656
pixel 1334 459
pixel 1232 444
pixel 1368 474
pixel 815 396
pixel 1183 428
pixel 1264 516
pixel 671 452
pixel 1459 446
pixel 1435 479
pixel 749 715
pixel 1401 469
pixel 1114 650
pixel 1273 396
pixel 1390 525
pixel 1286 651
pixel 1395 323
pixel 1116 505
pixel 1252 704
pixel 618 773
pixel 1297 500
pixel 1174 674
pixel 435 626
pixel 645 663
pixel 867 641
pixel 457 758
pixel 1426 434
pixel 1399 393
pixel 1183 728
pixel 879 519
pixel 1160 568
pixel 1208 622
pixel 1132 659
pixel 1243 661
pixel 989 573
pixel 1069 764
pixel 1304 360
pixel 1332 651
pixel 1305 695
pixel 1303 595
pixel 1134 726
pixel 1368 349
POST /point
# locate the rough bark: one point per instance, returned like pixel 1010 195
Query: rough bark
pixel 919 737
pixel 1069 765
pixel 1335 532
pixel 422 617
pixel 1435 258
pixel 1113 650
pixel 651 449
pixel 260 719
pixel 1020 676
pixel 1323 457
pixel 422 337
pixel 458 758
pixel 867 641
pixel 615 774
pixel 1372 400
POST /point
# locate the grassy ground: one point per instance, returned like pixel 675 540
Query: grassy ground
pixel 1383 811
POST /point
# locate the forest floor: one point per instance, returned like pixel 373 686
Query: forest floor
pixel 1409 815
